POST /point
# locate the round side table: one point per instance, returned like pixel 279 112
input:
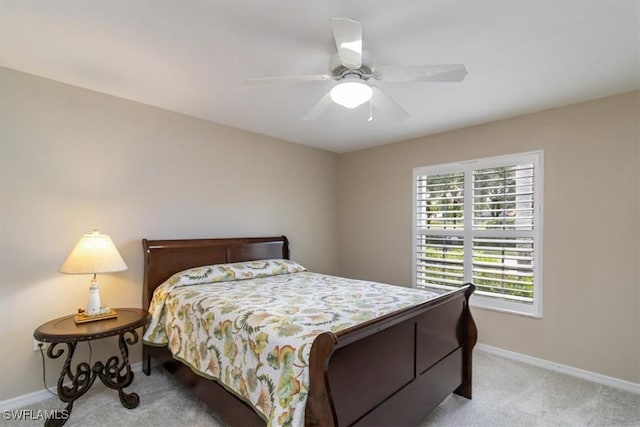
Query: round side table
pixel 114 373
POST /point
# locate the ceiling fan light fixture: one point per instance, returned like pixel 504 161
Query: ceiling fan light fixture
pixel 351 94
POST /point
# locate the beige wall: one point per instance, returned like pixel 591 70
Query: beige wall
pixel 72 160
pixel 591 227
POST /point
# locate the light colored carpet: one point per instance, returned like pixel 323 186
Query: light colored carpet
pixel 506 393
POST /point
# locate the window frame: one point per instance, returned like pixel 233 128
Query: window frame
pixel 536 158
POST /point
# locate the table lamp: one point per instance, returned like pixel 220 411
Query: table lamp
pixel 94 253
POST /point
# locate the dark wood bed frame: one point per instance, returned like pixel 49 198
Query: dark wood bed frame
pixel 392 370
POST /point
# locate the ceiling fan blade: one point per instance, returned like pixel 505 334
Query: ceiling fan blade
pixel 348 35
pixel 425 73
pixel 389 108
pixel 320 107
pixel 288 79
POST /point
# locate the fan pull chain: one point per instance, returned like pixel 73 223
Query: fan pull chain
pixel 370 119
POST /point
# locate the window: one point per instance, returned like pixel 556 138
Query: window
pixel 481 221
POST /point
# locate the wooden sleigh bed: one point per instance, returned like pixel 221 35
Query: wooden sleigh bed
pixel 389 371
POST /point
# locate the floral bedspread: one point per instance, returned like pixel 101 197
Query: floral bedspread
pixel 252 331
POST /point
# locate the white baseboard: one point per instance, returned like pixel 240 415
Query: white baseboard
pixel 40 395
pixel 563 369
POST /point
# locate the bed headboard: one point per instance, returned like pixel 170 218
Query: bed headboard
pixel 163 258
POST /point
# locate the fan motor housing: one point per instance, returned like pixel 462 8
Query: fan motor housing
pixel 339 71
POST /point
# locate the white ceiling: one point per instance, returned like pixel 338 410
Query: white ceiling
pixel 193 57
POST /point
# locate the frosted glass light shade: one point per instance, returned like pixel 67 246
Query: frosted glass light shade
pixel 351 94
pixel 94 253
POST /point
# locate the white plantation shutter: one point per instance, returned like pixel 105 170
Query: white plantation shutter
pixel 480 222
pixel 440 221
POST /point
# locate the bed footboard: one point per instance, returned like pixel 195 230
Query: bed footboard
pixel 395 370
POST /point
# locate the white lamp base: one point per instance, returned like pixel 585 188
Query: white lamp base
pixel 93 305
pixel 94 309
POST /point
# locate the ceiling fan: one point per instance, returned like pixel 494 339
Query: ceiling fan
pixel 355 75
